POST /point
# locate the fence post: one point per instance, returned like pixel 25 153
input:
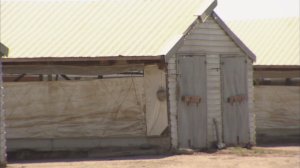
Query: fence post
pixel 2 124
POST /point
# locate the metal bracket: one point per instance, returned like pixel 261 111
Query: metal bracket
pixel 191 99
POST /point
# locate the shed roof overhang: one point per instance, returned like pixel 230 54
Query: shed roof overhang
pixel 47 60
pixel 79 65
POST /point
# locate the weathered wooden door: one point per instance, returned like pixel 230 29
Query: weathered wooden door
pixel 235 106
pixel 192 117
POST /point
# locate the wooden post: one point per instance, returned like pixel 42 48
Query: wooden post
pixel 2 125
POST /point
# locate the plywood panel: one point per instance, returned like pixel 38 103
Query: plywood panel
pixel 235 114
pixel 192 117
pixel 65 109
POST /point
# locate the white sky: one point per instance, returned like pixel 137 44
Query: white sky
pixel 244 9
pixel 253 9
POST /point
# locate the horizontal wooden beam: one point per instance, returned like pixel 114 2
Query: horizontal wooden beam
pixel 276 67
pixel 80 59
pixel 70 70
pixel 258 74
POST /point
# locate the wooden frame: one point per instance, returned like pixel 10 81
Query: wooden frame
pixel 276 71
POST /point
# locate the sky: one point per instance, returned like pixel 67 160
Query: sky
pixel 245 9
pixel 257 9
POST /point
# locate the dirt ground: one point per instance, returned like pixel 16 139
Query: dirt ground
pixel 258 157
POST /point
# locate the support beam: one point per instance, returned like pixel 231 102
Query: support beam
pixel 50 77
pixel 19 77
pixel 65 77
pixel 40 77
pixel 2 125
pixel 258 74
pixel 70 69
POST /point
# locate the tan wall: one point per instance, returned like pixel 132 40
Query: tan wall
pixel 277 107
pixel 98 108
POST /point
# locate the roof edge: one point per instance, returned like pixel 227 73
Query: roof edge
pixel 233 36
pixel 205 11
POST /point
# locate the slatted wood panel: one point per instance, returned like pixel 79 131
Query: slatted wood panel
pixel 209 38
pixel 235 115
pixel 192 117
pixel 213 98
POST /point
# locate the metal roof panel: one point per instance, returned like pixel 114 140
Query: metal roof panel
pixel 274 41
pixel 34 29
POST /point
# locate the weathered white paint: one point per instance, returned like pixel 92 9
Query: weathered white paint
pixel 156 110
pixel 192 117
pixel 252 124
pixel 235 114
pixel 172 75
pixel 213 98
pixel 210 39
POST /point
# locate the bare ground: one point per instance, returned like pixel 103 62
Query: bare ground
pixel 258 157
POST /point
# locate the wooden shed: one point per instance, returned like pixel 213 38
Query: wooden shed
pixel 167 74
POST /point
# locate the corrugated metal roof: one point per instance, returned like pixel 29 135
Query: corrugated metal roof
pixel 274 41
pixel 94 28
